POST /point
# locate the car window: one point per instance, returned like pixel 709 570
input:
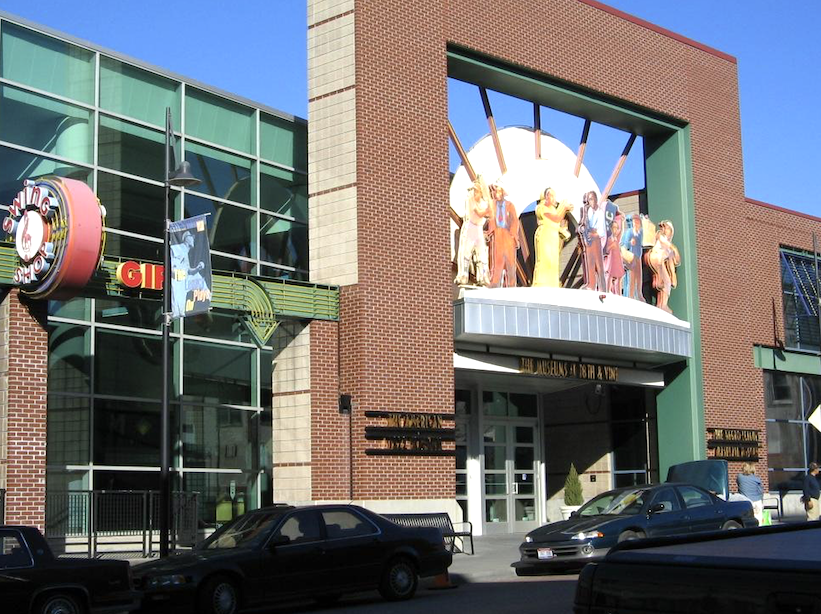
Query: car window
pixel 667 496
pixel 245 531
pixel 301 527
pixel 342 523
pixel 693 497
pixel 13 552
pixel 616 503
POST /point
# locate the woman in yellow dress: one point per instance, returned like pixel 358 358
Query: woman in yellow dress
pixel 548 242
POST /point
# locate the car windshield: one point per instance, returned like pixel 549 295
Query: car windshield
pixel 245 531
pixel 616 503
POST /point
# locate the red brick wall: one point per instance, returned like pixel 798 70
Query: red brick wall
pixel 396 324
pixel 27 387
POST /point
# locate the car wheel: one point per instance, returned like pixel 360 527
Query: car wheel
pixel 630 535
pixel 730 525
pixel 219 595
pixel 59 603
pixel 399 580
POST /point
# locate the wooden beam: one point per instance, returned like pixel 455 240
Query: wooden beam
pixel 497 145
pixel 618 168
pixel 582 147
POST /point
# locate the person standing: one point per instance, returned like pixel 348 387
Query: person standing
pixel 749 485
pixel 812 492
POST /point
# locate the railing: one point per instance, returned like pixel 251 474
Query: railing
pixel 96 522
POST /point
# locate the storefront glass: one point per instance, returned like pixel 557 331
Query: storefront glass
pixel 128 90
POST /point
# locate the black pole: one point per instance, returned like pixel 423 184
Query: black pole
pixel 165 486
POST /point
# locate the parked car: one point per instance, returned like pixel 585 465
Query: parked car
pixel 624 514
pixel 772 569
pixel 34 581
pixel 282 553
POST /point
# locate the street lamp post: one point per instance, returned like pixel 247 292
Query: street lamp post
pixel 181 177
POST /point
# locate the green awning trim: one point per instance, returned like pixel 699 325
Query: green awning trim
pixel 775 359
pixel 262 303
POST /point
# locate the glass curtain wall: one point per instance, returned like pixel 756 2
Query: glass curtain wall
pixel 77 112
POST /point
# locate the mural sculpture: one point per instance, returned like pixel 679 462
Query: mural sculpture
pixel 593 236
pixel 631 242
pixel 473 251
pixel 504 231
pixel 663 258
pixel 548 240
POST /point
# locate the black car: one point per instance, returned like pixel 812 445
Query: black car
pixel 282 553
pixel 634 512
pixel 34 581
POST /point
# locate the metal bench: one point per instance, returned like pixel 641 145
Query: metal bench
pixel 441 521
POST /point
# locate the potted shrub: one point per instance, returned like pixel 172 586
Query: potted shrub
pixel 573 497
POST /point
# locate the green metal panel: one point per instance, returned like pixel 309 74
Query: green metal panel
pixel 262 302
pixel 774 359
pixel 670 197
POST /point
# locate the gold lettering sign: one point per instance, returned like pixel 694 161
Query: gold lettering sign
pixel 565 369
pixel 733 444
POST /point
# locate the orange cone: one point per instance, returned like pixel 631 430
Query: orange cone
pixel 442 581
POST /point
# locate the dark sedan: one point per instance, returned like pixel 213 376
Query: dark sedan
pixel 628 513
pixel 283 553
pixel 34 581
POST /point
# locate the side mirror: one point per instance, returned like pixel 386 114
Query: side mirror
pixel 656 508
pixel 574 514
pixel 278 540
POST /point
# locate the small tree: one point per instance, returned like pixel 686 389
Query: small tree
pixel 573 488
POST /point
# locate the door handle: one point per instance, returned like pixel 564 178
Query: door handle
pixel 515 488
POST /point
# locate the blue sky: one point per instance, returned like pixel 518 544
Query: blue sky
pixel 257 49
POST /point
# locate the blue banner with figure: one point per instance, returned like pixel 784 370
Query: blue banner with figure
pixel 190 267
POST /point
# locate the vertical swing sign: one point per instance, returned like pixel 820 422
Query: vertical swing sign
pixel 57 228
pixel 190 267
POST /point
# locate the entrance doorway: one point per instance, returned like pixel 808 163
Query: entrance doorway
pixel 511 492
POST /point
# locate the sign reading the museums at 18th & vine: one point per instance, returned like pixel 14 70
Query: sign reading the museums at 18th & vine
pixel 410 433
pixel 733 444
pixel 566 369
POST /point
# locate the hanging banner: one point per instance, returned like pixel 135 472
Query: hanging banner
pixel 190 267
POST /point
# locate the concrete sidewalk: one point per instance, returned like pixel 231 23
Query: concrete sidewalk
pixel 494 554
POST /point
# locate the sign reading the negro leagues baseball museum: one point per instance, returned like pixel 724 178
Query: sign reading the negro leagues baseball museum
pixel 410 434
pixel 733 444
pixel 57 228
pixel 566 369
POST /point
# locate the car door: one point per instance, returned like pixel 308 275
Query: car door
pixel 673 519
pixel 354 549
pixel 16 571
pixel 705 515
pixel 293 566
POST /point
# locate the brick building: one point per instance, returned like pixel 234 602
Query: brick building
pixel 416 394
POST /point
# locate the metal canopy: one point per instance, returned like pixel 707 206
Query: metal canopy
pixel 571 324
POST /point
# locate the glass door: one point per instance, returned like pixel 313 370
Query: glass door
pixel 510 476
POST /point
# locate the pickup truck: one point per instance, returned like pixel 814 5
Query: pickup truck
pixel 747 571
pixel 34 581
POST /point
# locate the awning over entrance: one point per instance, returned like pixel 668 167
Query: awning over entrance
pixel 568 322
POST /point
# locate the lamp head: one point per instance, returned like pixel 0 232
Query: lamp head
pixel 182 177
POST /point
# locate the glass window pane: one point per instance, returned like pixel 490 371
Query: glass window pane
pixel 219 121
pixel 346 524
pixel 524 434
pixel 126 433
pixel 131 149
pixel 76 309
pixel 131 312
pixel 283 192
pixel 69 367
pixel 496 510
pixel 230 229
pixel 629 445
pixel 218 325
pixel 494 457
pixel 283 141
pixel 494 403
pixel 47 64
pixel 68 430
pixel 132 205
pixel 130 248
pixel 219 374
pixel 216 506
pixel 232 265
pixel 495 484
pixel 222 174
pixel 523 405
pixel 524 457
pixel 462 403
pixel 127 480
pixel 495 434
pixel 131 91
pixel 525 510
pixel 45 124
pixel 219 438
pixel 19 165
pixel 283 242
pixel 266 376
pixel 785 445
pixel 119 356
pixel 271 271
